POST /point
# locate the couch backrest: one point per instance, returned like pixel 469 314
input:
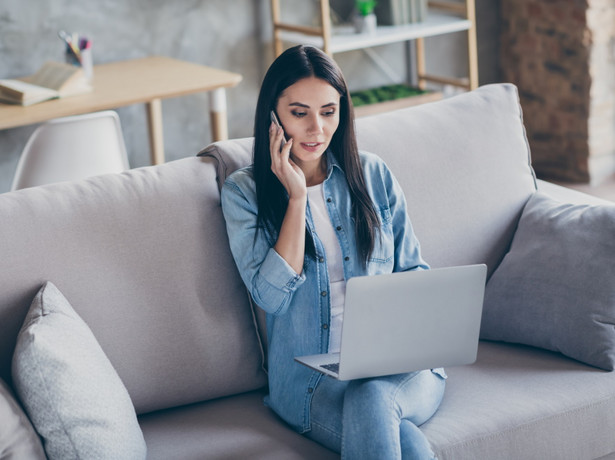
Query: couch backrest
pixel 464 165
pixel 143 257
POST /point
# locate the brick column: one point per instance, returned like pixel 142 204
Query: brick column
pixel 561 55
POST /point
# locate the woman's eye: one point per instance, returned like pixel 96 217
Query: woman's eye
pixel 329 113
pixel 299 114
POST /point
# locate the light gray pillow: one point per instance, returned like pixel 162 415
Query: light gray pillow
pixel 68 387
pixel 555 288
pixel 17 437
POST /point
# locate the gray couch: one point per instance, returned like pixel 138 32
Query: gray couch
pixel 143 258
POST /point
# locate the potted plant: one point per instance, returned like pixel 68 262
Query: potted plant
pixel 365 21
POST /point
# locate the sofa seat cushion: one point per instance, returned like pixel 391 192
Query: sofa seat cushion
pixel 235 427
pixel 504 406
pixel 519 402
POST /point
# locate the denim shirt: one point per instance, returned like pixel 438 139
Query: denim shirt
pixel 297 305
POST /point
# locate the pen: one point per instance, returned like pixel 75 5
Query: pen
pixel 71 46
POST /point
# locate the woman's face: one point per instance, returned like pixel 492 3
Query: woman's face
pixel 309 113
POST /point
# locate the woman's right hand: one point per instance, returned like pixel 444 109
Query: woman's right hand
pixel 285 169
pixel 291 240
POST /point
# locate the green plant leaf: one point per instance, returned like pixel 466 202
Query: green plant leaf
pixel 383 94
pixel 365 7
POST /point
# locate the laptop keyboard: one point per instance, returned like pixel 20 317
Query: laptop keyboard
pixel 333 367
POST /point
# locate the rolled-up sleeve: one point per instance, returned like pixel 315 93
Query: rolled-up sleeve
pixel 269 278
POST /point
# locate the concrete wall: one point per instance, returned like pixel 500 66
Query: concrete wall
pixel 233 35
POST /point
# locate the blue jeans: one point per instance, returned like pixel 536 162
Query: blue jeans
pixel 377 418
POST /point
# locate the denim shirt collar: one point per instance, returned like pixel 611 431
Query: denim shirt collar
pixel 332 163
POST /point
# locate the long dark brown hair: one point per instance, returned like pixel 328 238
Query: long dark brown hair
pixel 291 66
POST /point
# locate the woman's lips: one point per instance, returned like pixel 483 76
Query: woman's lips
pixel 311 146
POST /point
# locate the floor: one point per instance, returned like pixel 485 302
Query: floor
pixel 605 189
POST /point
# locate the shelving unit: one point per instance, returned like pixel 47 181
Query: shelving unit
pixel 443 18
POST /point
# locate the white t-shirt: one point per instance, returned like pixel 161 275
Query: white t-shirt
pixel 328 237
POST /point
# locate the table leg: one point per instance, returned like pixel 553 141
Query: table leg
pixel 154 124
pixel 217 112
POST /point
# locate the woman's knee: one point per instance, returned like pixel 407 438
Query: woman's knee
pixel 370 399
pixel 415 396
pixel 422 397
pixel 376 390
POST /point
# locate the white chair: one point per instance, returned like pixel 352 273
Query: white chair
pixel 72 148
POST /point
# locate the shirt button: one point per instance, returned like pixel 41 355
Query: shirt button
pixel 325 326
pixel 329 200
pixel 323 293
pixel 338 228
pixel 321 259
pixel 310 390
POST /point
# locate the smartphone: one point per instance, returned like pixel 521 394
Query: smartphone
pixel 275 120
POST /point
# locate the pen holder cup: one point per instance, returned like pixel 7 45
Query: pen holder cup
pixel 85 62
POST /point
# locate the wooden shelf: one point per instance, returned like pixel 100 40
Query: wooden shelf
pixel 397 104
pixel 435 24
pixel 443 17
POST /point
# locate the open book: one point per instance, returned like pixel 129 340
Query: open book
pixel 53 80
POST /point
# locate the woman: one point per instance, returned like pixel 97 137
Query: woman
pixel 310 213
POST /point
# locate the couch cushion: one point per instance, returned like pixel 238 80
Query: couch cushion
pixel 69 388
pixel 144 258
pixel 502 407
pixel 238 427
pixel 17 436
pixel 464 165
pixel 514 398
pixel 555 288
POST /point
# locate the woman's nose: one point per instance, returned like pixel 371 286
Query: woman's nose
pixel 315 126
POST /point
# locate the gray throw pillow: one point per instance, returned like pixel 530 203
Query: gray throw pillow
pixel 17 437
pixel 68 387
pixel 555 288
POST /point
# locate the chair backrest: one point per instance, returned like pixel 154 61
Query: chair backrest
pixel 72 148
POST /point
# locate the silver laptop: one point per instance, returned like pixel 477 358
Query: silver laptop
pixel 407 321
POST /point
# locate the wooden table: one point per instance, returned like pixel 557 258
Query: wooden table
pixel 147 80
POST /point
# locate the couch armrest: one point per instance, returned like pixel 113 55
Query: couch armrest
pixel 569 195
